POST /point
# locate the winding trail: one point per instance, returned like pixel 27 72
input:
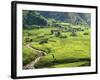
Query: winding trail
pixel 39 54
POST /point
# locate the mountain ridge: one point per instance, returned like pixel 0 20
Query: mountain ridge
pixel 42 17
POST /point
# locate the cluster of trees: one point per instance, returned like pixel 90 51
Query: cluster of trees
pixel 33 18
pixel 47 18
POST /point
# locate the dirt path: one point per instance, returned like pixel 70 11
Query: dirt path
pixel 39 54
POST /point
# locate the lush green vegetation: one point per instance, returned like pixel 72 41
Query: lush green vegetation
pixel 66 44
pixel 66 50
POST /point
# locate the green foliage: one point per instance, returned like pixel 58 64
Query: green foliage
pixel 57 34
pixel 63 36
pixel 28 40
pixel 85 33
pixel 47 18
pixel 73 33
pixel 62 51
pixel 33 18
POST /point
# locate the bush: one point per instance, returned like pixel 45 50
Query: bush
pixel 73 34
pixel 85 33
pixel 64 36
pixel 28 40
pixel 43 41
pixel 57 34
pixel 82 29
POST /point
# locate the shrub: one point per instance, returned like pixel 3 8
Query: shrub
pixel 28 40
pixel 73 34
pixel 82 29
pixel 43 41
pixel 64 36
pixel 57 34
pixel 51 32
pixel 85 33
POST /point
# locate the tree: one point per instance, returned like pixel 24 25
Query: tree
pixel 73 33
pixel 33 18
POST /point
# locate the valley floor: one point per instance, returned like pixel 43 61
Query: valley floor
pixel 67 51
